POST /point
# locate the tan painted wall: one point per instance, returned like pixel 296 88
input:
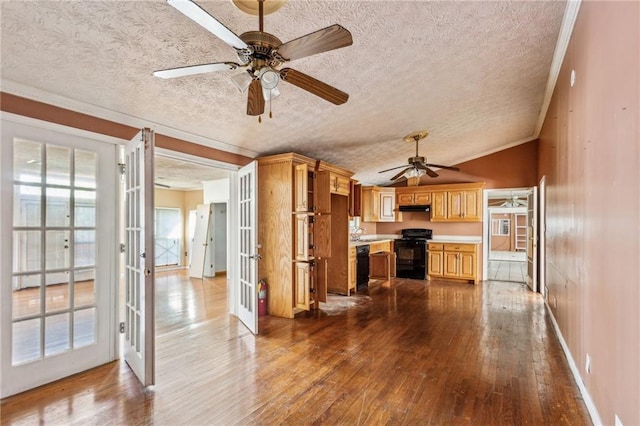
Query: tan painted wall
pixel 589 152
pixel 185 201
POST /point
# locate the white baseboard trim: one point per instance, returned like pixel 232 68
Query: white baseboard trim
pixel 591 407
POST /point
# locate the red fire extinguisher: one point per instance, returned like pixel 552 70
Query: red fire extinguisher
pixel 262 298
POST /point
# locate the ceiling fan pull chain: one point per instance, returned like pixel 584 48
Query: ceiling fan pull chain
pixel 270 98
pixel 259 119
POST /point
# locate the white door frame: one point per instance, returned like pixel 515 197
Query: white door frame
pixel 542 232
pixel 487 226
pixel 46 132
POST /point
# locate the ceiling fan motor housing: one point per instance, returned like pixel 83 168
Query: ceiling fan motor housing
pixel 263 45
pixel 413 160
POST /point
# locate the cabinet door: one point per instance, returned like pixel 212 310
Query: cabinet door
pixel 320 288
pixel 355 199
pixel 472 207
pixel 301 188
pixel 379 266
pixel 438 206
pixel 387 204
pixel 353 269
pixel 322 192
pixel 339 185
pixel 301 293
pixel 422 198
pixel 435 263
pixel 322 235
pixel 405 199
pixel 455 204
pixel 451 268
pixel 301 245
pixel 370 205
pixel 467 265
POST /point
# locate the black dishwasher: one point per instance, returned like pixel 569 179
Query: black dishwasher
pixel 362 275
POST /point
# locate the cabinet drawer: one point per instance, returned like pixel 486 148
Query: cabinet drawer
pixel 460 247
pixel 435 247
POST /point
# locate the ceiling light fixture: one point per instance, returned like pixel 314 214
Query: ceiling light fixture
pixel 414 173
pixel 241 81
pixel 268 78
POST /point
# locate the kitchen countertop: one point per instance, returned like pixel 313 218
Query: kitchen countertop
pixel 456 239
pixel 368 239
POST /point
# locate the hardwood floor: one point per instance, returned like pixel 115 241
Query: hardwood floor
pixel 415 353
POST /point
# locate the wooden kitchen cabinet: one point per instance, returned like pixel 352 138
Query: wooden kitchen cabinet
pixel 353 270
pixel 438 206
pixel 303 231
pixel 465 205
pixel 339 184
pixel 355 199
pixel 412 196
pixel 453 261
pixel 378 204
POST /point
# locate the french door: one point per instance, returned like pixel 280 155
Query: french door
pixel 248 272
pixel 532 239
pixel 58 254
pixel 139 344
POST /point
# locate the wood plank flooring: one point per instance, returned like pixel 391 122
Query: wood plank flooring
pixel 414 353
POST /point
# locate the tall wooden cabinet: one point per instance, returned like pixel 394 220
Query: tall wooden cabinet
pixel 302 230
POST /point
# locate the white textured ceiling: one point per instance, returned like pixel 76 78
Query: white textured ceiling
pixel 473 73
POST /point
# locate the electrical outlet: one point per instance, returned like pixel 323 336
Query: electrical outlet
pixel 587 364
pixel 617 421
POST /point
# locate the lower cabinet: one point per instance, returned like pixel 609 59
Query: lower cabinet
pixel 310 284
pixel 352 270
pixel 453 261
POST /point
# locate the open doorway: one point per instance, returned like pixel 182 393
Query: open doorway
pixel 506 235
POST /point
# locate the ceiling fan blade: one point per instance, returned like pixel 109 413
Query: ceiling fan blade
pixel 444 167
pixel 393 168
pixel 330 38
pixel 196 69
pixel 208 22
pixel 255 100
pixel 311 85
pixel 399 175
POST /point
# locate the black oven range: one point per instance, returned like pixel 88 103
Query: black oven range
pixel 411 253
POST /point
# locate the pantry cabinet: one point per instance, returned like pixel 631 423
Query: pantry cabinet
pixel 302 231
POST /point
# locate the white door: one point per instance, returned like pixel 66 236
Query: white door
pixel 532 239
pixel 196 269
pixel 542 230
pixel 57 255
pixel 139 345
pixel 248 203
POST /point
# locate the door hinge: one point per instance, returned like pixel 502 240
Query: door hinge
pixel 123 168
pixel 122 248
pixel 122 328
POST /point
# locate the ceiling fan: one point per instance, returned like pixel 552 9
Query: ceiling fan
pixel 417 165
pixel 261 53
pixel 510 202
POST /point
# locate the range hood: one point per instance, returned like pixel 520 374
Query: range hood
pixel 415 208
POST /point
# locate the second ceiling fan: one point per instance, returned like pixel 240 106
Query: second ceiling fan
pixel 261 54
pixel 417 166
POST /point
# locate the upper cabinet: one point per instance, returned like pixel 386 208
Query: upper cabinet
pixel 460 202
pixel 339 184
pixel 355 199
pixel 378 204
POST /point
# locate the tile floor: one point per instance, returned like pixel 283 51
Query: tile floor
pixel 504 270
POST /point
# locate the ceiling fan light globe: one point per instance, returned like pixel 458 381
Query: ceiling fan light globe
pixel 413 173
pixel 270 94
pixel 269 78
pixel 241 81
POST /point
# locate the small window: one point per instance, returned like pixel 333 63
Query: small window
pixel 500 227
